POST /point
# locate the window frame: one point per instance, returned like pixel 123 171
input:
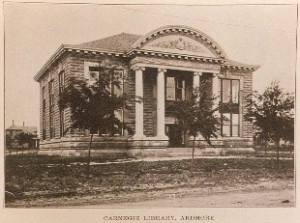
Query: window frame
pixel 177 89
pixel 43 113
pixel 51 92
pixel 230 100
pixel 61 81
pixel 230 108
pixel 51 109
pixel 62 123
pixel 52 125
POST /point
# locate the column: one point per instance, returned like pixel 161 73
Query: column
pixel 161 104
pixel 139 108
pixel 196 83
pixel 216 90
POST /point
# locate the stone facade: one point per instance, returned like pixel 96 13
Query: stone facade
pixel 146 71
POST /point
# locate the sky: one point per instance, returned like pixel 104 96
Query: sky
pixel 262 35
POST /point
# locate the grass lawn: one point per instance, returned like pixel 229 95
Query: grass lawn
pixel 30 177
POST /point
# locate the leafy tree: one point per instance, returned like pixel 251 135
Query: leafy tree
pixel 25 138
pixel 8 141
pixel 196 116
pixel 273 113
pixel 93 105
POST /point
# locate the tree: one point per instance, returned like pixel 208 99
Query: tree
pixel 24 138
pixel 8 141
pixel 196 116
pixel 93 105
pixel 273 113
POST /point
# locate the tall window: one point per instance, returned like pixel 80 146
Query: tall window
pixel 175 88
pixel 43 113
pixel 119 115
pixel 170 89
pixel 180 89
pixel 62 123
pixel 119 77
pixel 51 93
pixel 61 80
pixel 230 107
pixel 61 83
pixel 51 105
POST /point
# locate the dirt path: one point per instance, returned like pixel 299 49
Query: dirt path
pixel 264 194
pixel 277 198
pixel 246 197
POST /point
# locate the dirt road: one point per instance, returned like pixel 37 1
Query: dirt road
pixel 275 198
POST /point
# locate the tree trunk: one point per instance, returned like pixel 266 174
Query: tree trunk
pixel 277 157
pixel 193 152
pixel 266 146
pixel 89 157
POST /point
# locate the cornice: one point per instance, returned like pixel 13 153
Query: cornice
pixel 225 63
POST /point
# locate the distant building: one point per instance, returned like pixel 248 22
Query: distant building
pixel 14 130
pixel 161 66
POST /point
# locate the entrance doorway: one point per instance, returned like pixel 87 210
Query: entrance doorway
pixel 176 139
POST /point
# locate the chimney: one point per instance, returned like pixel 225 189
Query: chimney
pixel 23 124
pixel 13 122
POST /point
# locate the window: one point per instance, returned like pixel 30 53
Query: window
pixel 230 107
pixel 51 105
pixel 235 85
pixel 61 80
pixel 180 89
pixel 175 88
pixel 119 78
pixel 52 130
pixel 51 93
pixel 43 114
pixel 119 114
pixel 235 124
pixel 43 99
pixel 61 83
pixel 230 91
pixel 226 91
pixel 62 123
pixel 230 124
pixel 170 89
pixel 91 71
pixel 93 75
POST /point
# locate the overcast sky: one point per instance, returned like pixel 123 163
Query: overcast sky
pixel 262 35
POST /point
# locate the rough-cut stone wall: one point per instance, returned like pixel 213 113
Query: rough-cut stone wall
pixel 247 89
pixel 149 101
pixel 206 80
pixel 130 111
pixel 73 66
pixel 51 75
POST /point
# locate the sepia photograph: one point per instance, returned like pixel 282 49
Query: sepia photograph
pixel 146 106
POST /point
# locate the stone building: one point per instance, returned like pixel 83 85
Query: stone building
pixel 162 66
